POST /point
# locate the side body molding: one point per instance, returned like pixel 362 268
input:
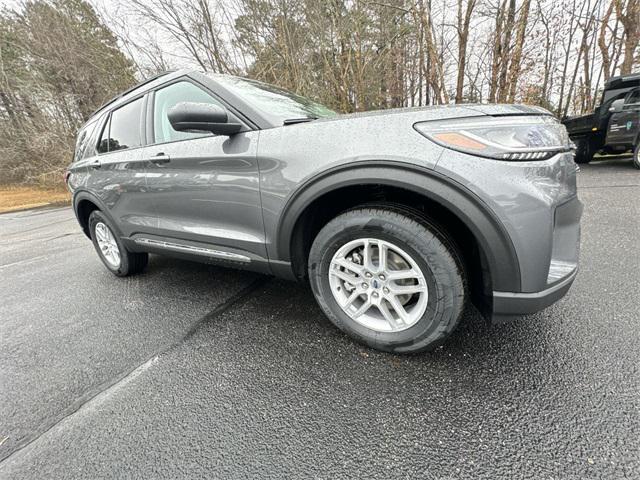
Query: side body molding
pixel 471 210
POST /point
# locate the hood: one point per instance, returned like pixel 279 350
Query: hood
pixel 444 112
pixel 502 109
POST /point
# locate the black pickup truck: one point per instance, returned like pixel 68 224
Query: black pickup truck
pixel 614 126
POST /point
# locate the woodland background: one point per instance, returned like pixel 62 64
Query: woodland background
pixel 61 59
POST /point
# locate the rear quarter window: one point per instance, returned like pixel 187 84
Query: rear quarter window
pixel 84 144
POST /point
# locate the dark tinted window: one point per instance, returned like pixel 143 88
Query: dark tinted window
pixel 610 95
pixel 123 129
pixel 633 98
pixel 168 97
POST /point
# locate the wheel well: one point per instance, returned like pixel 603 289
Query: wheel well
pixel 84 209
pixel 331 204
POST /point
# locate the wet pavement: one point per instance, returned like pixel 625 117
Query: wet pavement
pixel 192 371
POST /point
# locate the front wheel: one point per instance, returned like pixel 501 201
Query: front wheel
pixel 636 156
pixel 389 278
pixel 584 151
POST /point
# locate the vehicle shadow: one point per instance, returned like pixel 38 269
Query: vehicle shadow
pixel 290 306
pixel 610 162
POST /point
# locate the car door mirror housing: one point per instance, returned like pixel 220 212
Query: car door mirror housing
pixel 617 105
pixel 201 117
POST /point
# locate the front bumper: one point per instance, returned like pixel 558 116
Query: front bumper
pixel 538 205
pixel 509 305
pixel 562 269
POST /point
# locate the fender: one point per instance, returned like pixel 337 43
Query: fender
pixel 489 232
pixel 80 195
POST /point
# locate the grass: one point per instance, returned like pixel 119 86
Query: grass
pixel 22 197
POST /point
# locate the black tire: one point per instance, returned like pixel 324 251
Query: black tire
pixel 636 156
pixel 431 249
pixel 131 263
pixel 584 151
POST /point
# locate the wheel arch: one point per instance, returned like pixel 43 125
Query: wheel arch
pixel 84 203
pixel 451 198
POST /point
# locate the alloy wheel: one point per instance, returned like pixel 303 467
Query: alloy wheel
pixel 107 244
pixel 378 284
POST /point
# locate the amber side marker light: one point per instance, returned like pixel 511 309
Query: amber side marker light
pixel 459 140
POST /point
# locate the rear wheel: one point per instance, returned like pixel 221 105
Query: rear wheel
pixel 584 151
pixel 636 156
pixel 111 250
pixel 388 278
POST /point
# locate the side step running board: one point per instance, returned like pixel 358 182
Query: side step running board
pixel 179 247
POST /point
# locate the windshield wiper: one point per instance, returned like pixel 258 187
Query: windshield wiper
pixel 291 121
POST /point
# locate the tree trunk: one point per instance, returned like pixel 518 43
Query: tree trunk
pixel 506 46
pixel 516 58
pixel 496 54
pixel 630 20
pixel 463 38
pixel 603 43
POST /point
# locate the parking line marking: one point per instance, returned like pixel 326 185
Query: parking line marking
pixel 20 262
pixel 120 380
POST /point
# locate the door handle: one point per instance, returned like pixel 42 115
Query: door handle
pixel 95 163
pixel 160 158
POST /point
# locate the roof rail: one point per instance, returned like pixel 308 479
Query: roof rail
pixel 129 90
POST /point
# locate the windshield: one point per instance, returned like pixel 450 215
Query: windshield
pixel 273 101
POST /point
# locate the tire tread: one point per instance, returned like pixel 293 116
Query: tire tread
pixel 414 221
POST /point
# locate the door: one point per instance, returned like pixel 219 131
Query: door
pixel 117 172
pixel 624 125
pixel 205 187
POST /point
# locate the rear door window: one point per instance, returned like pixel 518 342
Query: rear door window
pixel 123 128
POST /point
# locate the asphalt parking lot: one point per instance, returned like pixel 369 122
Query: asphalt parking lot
pixel 191 371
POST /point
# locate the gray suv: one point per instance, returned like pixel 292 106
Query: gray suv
pixel 396 218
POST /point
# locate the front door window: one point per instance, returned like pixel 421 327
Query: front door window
pixel 168 97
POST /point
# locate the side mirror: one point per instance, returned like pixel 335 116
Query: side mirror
pixel 201 117
pixel 617 105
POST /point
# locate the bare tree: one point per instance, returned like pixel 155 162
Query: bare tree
pixel 193 25
pixel 58 63
pixel 462 28
pixel 516 55
pixel 59 60
pixel 628 11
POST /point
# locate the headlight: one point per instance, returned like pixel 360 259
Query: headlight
pixel 503 138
